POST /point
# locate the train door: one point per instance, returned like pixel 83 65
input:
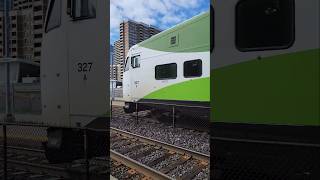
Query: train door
pixel 54 95
pixel 87 60
pixel 265 41
pixel 265 84
pixel 136 76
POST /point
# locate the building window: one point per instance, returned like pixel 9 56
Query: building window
pixel 38 36
pixel 264 24
pixel 166 71
pixel 37 18
pixel 135 61
pixel 54 17
pixel 37 8
pixel 37 44
pixel 192 68
pixel 37 54
pixel 83 9
pixel 39 26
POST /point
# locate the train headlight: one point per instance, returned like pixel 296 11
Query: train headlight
pixel 55 138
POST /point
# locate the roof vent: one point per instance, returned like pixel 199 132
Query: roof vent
pixel 174 40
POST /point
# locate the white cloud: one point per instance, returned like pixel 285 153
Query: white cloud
pixel 160 13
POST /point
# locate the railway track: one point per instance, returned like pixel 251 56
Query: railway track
pixel 27 163
pixel 156 159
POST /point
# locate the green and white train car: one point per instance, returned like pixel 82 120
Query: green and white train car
pixel 265 89
pixel 172 67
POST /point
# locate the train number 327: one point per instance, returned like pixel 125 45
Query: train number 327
pixel 84 67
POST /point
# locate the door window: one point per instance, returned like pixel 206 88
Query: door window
pixel 83 9
pixel 192 68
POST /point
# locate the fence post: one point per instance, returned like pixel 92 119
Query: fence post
pixel 86 154
pixel 111 109
pixel 137 115
pixel 4 129
pixel 173 117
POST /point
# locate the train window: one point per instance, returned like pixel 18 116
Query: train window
pixel 166 71
pixel 264 24
pixel 135 61
pixel 126 65
pixel 83 9
pixel 192 68
pixel 54 15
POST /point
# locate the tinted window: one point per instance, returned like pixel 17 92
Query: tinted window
pixel 84 9
pixel 166 71
pixel 192 68
pixel 54 16
pixel 264 24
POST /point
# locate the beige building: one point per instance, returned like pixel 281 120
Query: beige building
pixel 131 33
pixel 27 23
pixel 115 72
pixel 118 59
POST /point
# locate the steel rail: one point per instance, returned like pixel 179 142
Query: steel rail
pixel 37 167
pixel 181 150
pixel 24 149
pixel 147 171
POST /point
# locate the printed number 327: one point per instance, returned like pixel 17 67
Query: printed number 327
pixel 84 67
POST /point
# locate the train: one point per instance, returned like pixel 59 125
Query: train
pixel 265 114
pixel 171 68
pixel 74 78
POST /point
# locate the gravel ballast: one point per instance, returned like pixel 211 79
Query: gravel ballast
pixel 148 127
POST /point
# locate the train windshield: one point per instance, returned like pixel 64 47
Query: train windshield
pixel 54 15
pixel 126 64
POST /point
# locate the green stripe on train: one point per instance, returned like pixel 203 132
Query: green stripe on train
pixel 191 90
pixel 282 89
pixel 192 36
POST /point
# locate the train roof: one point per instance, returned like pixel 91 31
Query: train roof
pixel 190 33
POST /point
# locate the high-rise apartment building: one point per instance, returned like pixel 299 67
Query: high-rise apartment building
pixel 27 23
pixel 118 59
pixel 131 33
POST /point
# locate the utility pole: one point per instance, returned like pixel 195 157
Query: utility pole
pixel 7 44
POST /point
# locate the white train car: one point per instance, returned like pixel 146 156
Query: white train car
pixel 74 74
pixel 172 67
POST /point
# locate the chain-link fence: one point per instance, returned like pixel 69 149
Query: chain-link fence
pixel 25 152
pixel 175 114
pixel 244 160
pixel 31 147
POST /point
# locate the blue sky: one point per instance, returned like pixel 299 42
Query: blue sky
pixel 160 13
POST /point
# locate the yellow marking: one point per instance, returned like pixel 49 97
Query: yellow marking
pixel 30 138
